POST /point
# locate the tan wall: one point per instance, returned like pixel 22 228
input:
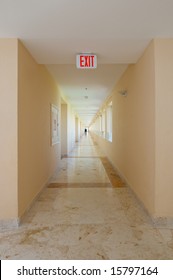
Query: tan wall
pixel 37 158
pixel 134 127
pixel 8 129
pixel 63 129
pixel 132 150
pixel 77 129
pixel 164 127
pixel 70 128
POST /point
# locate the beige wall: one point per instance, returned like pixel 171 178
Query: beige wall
pixel 134 127
pixel 164 127
pixel 70 128
pixel 77 129
pixel 8 129
pixel 37 158
pixel 27 158
pixel 132 150
pixel 63 129
pixel 142 147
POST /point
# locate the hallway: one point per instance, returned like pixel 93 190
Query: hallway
pixel 86 212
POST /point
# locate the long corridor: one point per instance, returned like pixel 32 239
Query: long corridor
pixel 86 212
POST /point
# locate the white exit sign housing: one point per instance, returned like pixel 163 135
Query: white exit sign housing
pixel 86 61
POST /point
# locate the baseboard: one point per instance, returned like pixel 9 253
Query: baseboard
pixel 163 222
pixel 9 224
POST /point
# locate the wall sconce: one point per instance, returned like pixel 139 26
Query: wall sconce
pixel 123 92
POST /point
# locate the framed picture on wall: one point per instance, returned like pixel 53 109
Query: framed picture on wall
pixel 54 125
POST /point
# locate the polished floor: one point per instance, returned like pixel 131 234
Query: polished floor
pixel 86 212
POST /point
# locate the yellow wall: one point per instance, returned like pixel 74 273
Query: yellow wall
pixel 63 129
pixel 37 158
pixel 132 150
pixel 134 127
pixel 70 128
pixel 27 158
pixel 142 147
pixel 8 128
pixel 164 127
pixel 77 129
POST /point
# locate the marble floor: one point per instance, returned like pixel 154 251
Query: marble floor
pixel 86 212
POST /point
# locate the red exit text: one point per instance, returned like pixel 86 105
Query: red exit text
pixel 84 61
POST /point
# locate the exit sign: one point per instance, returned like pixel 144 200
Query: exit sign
pixel 86 61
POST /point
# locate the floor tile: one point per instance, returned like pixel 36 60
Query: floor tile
pixel 85 214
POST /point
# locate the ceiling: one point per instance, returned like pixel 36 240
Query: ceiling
pixel 117 31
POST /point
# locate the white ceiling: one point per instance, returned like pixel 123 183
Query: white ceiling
pixel 54 31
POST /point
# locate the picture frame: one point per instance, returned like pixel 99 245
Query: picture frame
pixel 55 137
